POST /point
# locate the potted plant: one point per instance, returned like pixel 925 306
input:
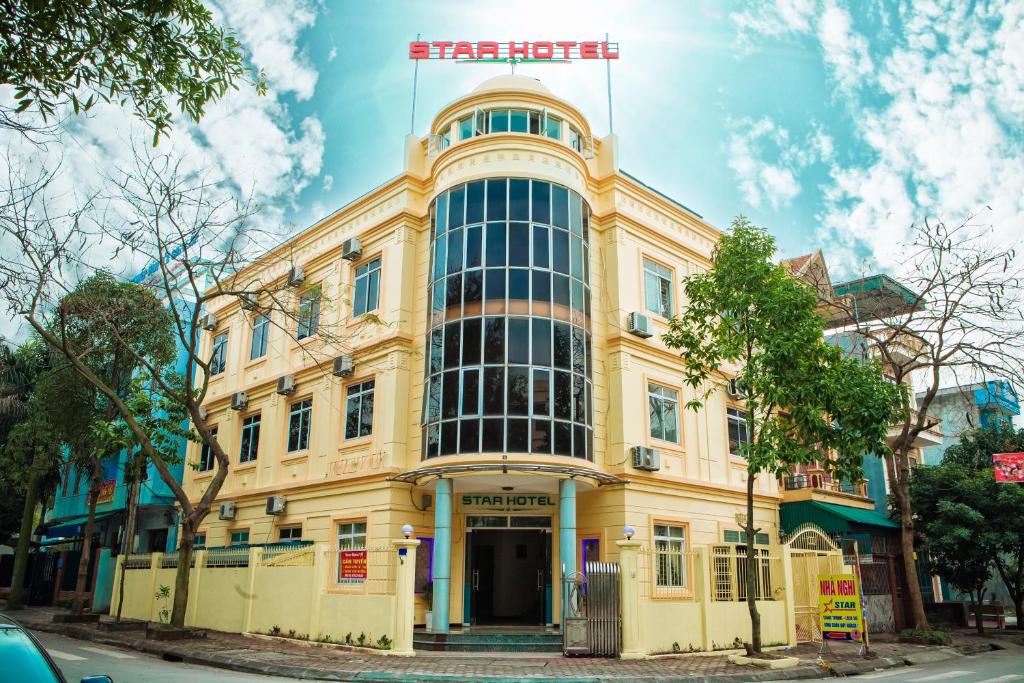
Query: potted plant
pixel 428 595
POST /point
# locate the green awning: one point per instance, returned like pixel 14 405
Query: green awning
pixel 832 518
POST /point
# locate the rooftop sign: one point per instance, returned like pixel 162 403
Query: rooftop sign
pixel 513 51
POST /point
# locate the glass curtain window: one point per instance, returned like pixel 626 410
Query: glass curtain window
pixel 658 297
pixel 533 121
pixel 206 457
pixel 669 548
pixel 299 418
pixel 309 313
pixel 359 410
pixel 260 336
pixel 664 408
pixel 509 363
pixel 250 439
pixel 738 435
pixel 367 288
pixel 219 356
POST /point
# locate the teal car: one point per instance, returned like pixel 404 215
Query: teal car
pixel 25 659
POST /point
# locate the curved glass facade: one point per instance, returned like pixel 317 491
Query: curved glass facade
pixel 509 347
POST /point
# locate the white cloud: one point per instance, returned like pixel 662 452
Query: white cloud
pixel 328 183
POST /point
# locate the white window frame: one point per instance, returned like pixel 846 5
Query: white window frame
pixel 261 332
pixel 736 416
pixel 668 544
pixel 206 457
pixel 305 416
pixel 364 307
pixel 289 528
pixel 250 423
pixel 231 539
pixel 348 536
pixel 219 354
pixel 359 397
pixel 652 270
pixel 655 392
pixel 309 323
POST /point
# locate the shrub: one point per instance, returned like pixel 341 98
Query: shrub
pixel 929 637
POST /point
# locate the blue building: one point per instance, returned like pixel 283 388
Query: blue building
pixel 967 407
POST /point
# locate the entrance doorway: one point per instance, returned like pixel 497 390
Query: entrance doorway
pixel 509 575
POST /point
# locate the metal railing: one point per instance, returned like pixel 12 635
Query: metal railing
pixel 138 561
pixel 297 554
pixel 370 569
pixel 230 556
pixel 665 573
pixel 805 481
pixel 729 573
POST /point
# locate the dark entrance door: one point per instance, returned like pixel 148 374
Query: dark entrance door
pixel 508 574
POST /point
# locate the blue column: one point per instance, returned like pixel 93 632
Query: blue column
pixel 442 564
pixel 567 525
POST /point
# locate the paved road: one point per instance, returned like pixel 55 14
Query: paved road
pixel 77 658
pixel 1004 666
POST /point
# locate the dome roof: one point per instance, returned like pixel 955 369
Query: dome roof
pixel 512 82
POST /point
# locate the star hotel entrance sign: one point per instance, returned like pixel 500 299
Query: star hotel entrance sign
pixel 513 51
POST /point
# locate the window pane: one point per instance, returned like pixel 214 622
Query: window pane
pixel 475 202
pixel 496 199
pixel 494 340
pixel 434 399
pixel 541 287
pixel 495 244
pixel 563 395
pixel 359 296
pixel 499 121
pixel 449 437
pixel 576 255
pixel 518 390
pixel 450 395
pixel 470 392
pixel 560 251
pixel 466 128
pixel 473 290
pixel 452 337
pixel 518 287
pixel 433 440
pixel 442 212
pixel 541 442
pixel 456 207
pixel 540 341
pixel 494 391
pixel 518 435
pixel 541 258
pixel 519 340
pixel 474 246
pixel 469 437
pixel 563 438
pixel 453 296
pixel 518 199
pixel 436 349
pixel 560 206
pixel 495 284
pixel 554 127
pixel 518 244
pixel 455 251
pixel 494 435
pixel 541 202
pixel 440 257
pixel 520 121
pixel 541 392
pixel 562 346
pixel 471 328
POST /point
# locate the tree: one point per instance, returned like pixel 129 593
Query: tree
pixel 139 53
pixel 987 511
pixel 959 319
pixel 803 397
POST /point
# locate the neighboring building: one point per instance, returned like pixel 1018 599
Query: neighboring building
pixel 963 408
pixel 494 317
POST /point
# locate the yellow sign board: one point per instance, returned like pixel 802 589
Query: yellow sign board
pixel 839 609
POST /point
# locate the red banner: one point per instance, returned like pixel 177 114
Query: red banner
pixel 352 564
pixel 1009 467
pixel 106 492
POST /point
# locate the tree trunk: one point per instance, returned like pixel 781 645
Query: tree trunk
pixel 128 542
pixel 16 599
pixel 979 619
pixel 901 487
pixel 180 605
pixel 755 616
pixel 1018 609
pixel 78 603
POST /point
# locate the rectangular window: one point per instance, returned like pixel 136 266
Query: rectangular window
pixel 206 458
pixel 239 537
pixel 499 121
pixel 658 298
pixel 367 288
pixel 466 128
pixel 359 410
pixel 738 436
pixel 250 439
pixel 299 418
pixel 351 537
pixel 554 127
pixel 287 534
pixel 575 140
pixel 199 541
pixel 664 408
pixel 309 313
pixel 669 549
pixel 219 356
pixel 520 122
pixel 260 336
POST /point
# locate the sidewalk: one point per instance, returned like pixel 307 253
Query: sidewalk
pixel 259 656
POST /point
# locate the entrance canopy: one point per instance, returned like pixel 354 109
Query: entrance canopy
pixel 424 474
pixel 834 519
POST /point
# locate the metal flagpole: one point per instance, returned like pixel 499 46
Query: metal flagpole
pixel 415 80
pixel 608 65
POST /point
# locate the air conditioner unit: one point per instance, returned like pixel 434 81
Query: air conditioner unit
pixel 227 510
pixel 734 389
pixel 203 413
pixel 275 505
pixel 645 458
pixel 640 325
pixel 286 385
pixel 427 500
pixel 249 301
pixel 208 322
pixel 239 401
pixel 295 276
pixel 351 249
pixel 344 366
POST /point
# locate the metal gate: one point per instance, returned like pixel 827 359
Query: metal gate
pixel 812 553
pixel 591 620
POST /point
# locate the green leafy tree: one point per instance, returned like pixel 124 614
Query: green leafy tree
pixel 803 397
pixel 970 524
pixel 143 54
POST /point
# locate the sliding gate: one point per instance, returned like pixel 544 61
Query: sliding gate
pixel 591 621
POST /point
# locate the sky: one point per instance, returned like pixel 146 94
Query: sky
pixel 835 126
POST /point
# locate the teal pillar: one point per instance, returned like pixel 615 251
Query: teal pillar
pixel 441 569
pixel 567 526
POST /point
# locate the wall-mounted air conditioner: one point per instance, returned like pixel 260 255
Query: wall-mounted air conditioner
pixel 295 276
pixel 203 413
pixel 249 301
pixel 640 325
pixel 208 322
pixel 344 366
pixel 734 389
pixel 239 400
pixel 351 249
pixel 645 458
pixel 275 505
pixel 286 385
pixel 227 510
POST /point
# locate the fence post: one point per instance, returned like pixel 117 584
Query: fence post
pixel 703 593
pixel 321 567
pixel 405 596
pixel 155 560
pixel 629 596
pixel 789 595
pixel 195 577
pixel 250 589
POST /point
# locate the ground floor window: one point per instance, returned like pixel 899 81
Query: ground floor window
pixel 289 533
pixel 199 541
pixel 352 555
pixel 239 537
pixel 670 555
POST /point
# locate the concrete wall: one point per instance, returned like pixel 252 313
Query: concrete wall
pixel 878 612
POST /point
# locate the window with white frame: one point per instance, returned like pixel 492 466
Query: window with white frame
pixel 670 555
pixel 664 409
pixel 309 313
pixel 739 436
pixel 219 355
pixel 299 418
pixel 206 457
pixel 287 534
pixel 367 288
pixel 351 537
pixel 260 336
pixel 658 294
pixel 466 127
pixel 250 439
pixel 359 410
pixel 239 537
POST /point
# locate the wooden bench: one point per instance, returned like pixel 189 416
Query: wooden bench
pixel 990 611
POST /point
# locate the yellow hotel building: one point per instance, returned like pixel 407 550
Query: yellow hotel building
pixel 493 375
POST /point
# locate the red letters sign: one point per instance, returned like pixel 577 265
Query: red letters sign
pixel 106 492
pixel 513 51
pixel 352 564
pixel 1009 467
